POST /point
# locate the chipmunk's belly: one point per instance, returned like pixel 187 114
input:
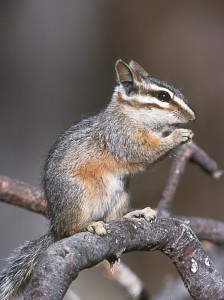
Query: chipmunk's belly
pixel 113 194
pixel 114 189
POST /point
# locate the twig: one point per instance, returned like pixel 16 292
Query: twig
pixel 26 196
pixel 183 154
pixel 130 283
pixel 63 261
pixel 72 295
pixel 168 286
pixel 22 194
pixel 206 229
pixel 177 168
pixel 201 158
pixel 11 191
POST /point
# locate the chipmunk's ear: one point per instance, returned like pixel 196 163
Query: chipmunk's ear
pixel 137 67
pixel 127 76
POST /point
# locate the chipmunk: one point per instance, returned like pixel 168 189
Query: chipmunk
pixel 86 170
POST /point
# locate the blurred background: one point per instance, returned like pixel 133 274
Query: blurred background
pixel 57 65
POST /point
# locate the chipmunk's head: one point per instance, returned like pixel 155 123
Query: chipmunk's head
pixel 150 100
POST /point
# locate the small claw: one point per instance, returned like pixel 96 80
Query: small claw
pixel 149 214
pixel 97 227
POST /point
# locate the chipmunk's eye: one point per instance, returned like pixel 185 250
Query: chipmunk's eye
pixel 163 96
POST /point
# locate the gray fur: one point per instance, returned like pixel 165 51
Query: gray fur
pixel 20 266
pixel 113 133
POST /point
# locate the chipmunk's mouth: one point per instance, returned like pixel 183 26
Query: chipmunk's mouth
pixel 175 124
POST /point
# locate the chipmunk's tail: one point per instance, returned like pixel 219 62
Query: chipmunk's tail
pixel 20 266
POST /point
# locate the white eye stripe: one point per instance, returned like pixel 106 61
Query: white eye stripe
pixel 175 99
pixel 181 103
pixel 149 86
pixel 152 100
pixel 146 99
pixel 155 87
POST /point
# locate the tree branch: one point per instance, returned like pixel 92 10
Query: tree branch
pixel 201 158
pixel 183 154
pixel 11 191
pixel 63 261
pixel 170 283
pixel 131 285
pixel 206 229
pixel 22 194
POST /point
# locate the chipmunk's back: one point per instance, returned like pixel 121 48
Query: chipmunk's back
pixel 85 171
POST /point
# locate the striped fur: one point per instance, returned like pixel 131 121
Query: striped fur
pixel 86 171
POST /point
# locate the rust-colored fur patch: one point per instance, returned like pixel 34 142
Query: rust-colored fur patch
pixel 91 174
pixel 90 171
pixel 102 165
pixel 147 140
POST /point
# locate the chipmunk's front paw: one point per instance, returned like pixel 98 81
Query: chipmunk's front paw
pixel 182 135
pixel 147 213
pixel 96 227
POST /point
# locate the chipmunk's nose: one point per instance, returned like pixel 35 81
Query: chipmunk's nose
pixel 193 116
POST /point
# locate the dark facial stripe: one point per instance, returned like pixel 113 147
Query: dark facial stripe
pixel 136 104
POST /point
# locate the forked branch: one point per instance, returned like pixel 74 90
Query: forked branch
pixel 62 262
pixel 183 154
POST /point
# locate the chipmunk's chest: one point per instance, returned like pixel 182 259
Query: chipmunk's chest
pixel 103 181
pixel 109 195
pixel 113 188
